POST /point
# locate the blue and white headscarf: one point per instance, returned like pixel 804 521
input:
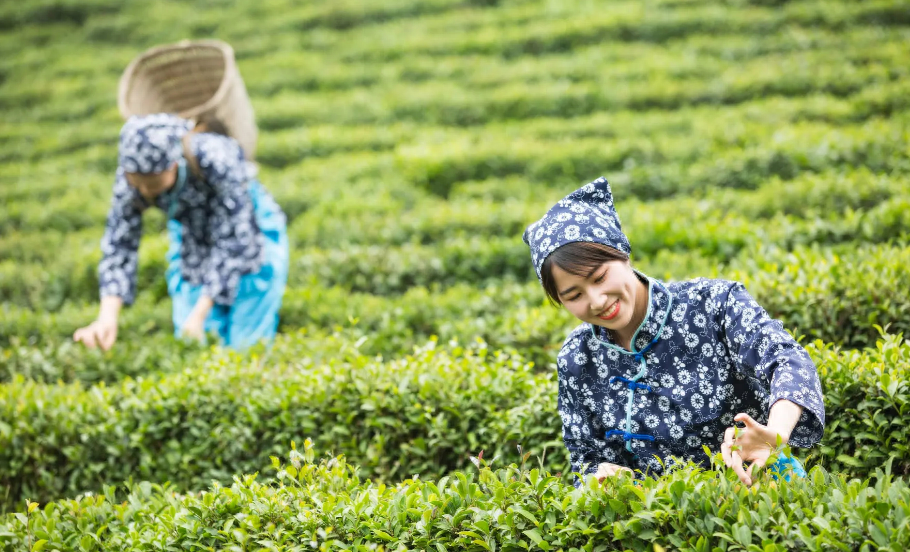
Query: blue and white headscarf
pixel 585 215
pixel 152 143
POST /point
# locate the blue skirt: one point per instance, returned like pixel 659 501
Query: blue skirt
pixel 253 316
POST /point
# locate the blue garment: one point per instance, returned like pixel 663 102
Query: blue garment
pixel 788 467
pixel 253 315
pixel 704 352
pixel 151 143
pixel 220 239
pixel 585 215
pixel 718 354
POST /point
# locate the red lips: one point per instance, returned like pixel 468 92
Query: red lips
pixel 610 313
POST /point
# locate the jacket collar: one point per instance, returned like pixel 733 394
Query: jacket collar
pixel 659 304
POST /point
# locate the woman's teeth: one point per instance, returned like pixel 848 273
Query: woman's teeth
pixel 610 313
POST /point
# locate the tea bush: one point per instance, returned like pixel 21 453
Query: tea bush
pixel 420 414
pixel 324 504
pixel 836 295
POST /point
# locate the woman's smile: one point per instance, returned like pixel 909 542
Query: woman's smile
pixel 610 312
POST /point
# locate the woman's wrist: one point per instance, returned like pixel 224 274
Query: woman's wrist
pixel 110 309
pixel 783 418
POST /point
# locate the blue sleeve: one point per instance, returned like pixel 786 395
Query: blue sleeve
pixel 762 348
pixel 236 241
pixel 120 244
pixel 583 438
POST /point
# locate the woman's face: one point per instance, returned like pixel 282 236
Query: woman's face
pixel 606 297
pixel 151 185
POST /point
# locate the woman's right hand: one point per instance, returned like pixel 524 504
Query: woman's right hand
pixel 100 333
pixel 607 469
pixel 103 331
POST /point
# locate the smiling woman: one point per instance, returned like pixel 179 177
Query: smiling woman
pixel 659 370
pixel 573 274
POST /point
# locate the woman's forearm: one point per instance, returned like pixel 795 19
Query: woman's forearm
pixel 783 418
pixel 202 308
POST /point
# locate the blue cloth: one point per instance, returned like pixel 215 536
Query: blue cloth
pixel 787 466
pixel 717 354
pixel 705 351
pixel 253 315
pixel 585 215
pixel 151 143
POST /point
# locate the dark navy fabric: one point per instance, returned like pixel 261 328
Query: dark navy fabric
pixel 151 143
pixel 587 214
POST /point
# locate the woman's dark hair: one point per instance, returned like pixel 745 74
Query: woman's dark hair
pixel 213 125
pixel 578 258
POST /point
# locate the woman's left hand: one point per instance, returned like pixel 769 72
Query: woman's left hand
pixel 752 443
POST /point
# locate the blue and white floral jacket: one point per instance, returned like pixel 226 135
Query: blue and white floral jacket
pixel 221 240
pixel 705 352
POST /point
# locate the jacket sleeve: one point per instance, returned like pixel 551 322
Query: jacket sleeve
pixel 585 441
pixel 236 244
pixel 762 348
pixel 120 244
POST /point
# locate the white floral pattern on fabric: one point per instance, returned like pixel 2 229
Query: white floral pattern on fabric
pixel 712 364
pixel 587 214
pixel 151 143
pixel 221 240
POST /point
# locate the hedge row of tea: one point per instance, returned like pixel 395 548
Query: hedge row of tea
pixel 325 505
pixel 472 242
pixel 420 414
pixel 660 161
pixel 837 295
pixel 410 143
pixel 272 60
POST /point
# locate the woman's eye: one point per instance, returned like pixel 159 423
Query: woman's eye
pixel 575 297
pixel 600 278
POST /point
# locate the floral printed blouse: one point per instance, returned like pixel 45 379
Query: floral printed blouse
pixel 221 240
pixel 705 352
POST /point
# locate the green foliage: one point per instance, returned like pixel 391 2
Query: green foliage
pixel 421 414
pixel 837 295
pixel 473 242
pixel 834 295
pixel 323 504
pixel 63 360
pixel 410 143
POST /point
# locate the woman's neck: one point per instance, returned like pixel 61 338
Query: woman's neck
pixel 624 336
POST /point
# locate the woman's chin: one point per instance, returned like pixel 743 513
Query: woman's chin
pixel 614 324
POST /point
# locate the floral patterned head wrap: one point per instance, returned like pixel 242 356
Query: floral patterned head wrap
pixel 151 143
pixel 585 215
